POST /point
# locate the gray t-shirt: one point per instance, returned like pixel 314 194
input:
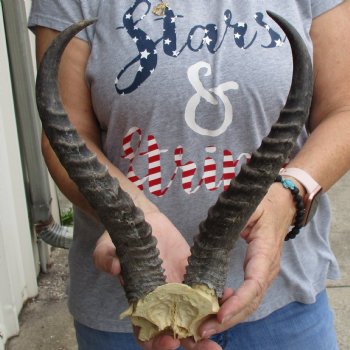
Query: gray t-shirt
pixel 182 101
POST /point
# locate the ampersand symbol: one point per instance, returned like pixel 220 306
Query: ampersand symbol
pixel 208 95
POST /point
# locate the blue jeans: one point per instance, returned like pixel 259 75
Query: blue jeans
pixel 294 327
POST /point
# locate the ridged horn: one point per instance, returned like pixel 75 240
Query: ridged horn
pixel 132 236
pixel 209 261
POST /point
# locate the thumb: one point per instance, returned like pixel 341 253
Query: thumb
pixel 105 259
pixel 252 221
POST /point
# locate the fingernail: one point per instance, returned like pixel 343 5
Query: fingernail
pixel 208 333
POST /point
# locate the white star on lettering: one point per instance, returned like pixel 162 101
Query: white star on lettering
pixel 225 18
pixel 279 43
pixel 267 27
pixel 140 69
pixel 241 24
pixel 128 16
pixel 207 40
pixel 135 39
pixel 167 41
pixel 216 27
pixel 155 51
pixel 136 28
pixel 145 54
pixel 206 31
pixel 175 53
pixel 173 19
pixel 237 36
pixel 151 71
pixel 147 37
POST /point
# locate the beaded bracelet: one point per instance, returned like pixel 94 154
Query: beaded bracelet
pixel 299 203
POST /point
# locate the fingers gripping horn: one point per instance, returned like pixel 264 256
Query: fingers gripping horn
pixel 132 236
pixel 208 263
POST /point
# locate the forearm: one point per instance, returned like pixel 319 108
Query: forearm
pixel 71 191
pixel 326 154
pixel 76 98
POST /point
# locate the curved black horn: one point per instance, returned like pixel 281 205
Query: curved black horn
pixel 132 236
pixel 209 261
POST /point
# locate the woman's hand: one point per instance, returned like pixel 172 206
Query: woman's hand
pixel 173 249
pixel 264 234
pixel 104 256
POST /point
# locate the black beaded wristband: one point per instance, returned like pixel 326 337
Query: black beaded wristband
pixel 299 203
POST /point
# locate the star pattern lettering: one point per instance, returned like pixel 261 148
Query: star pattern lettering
pixel 145 54
pixel 279 43
pixel 207 40
pixel 148 54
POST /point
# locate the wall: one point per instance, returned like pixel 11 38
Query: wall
pixel 22 256
pixel 17 267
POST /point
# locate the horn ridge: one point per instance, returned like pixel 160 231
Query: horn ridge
pixel 142 272
pixel 208 263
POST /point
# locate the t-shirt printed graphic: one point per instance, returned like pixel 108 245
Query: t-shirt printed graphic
pixel 147 46
pixel 188 169
pixel 150 51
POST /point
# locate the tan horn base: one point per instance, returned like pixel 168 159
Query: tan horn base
pixel 173 307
